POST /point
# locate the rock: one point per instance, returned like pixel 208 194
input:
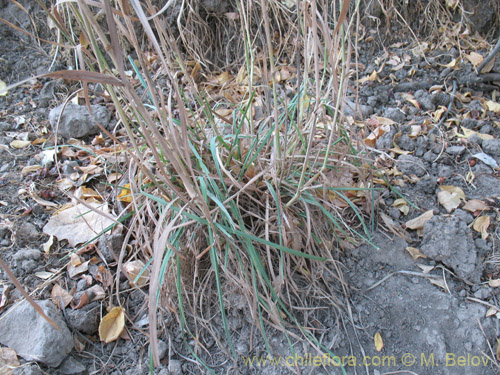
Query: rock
pixel 409 165
pixel 32 337
pixel 26 234
pixel 491 147
pixel 359 111
pixel 110 244
pixel 26 260
pixel 406 143
pixel 424 99
pixel 455 150
pixel 385 141
pixel 449 240
pixel 28 370
pixel 216 6
pixel 395 114
pixel 174 367
pixel 162 349
pixel 77 122
pixel 47 93
pixel 71 366
pixel 85 320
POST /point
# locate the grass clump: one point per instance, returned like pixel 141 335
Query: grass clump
pixel 243 181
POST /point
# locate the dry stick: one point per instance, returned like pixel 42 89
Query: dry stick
pixel 492 54
pixel 19 287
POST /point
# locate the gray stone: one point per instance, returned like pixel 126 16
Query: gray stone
pixel 110 244
pixel 449 240
pixel 26 260
pixel 424 99
pixel 359 111
pixel 71 366
pixel 455 150
pixel 76 120
pixel 492 147
pixel 28 370
pixel 409 165
pixel 32 337
pixel 85 320
pixel 162 349
pixel 395 114
pixel 174 367
pixel 406 143
pixel 26 234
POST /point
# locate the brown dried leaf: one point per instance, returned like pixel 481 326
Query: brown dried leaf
pixel 60 296
pixel 133 270
pixel 481 225
pixel 79 224
pixel 415 253
pixel 475 205
pixel 450 197
pixel 75 271
pixel 418 222
pixel 112 325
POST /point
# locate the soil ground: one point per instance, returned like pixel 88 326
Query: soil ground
pixel 430 312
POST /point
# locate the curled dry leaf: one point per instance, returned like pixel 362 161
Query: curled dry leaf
pixel 415 253
pixel 60 296
pixel 402 206
pixel 475 205
pixel 491 312
pixel 19 143
pixel 474 58
pixel 419 222
pixel 481 225
pixel 75 271
pixel 493 106
pixel 450 197
pixel 112 325
pixel 494 283
pixel 137 273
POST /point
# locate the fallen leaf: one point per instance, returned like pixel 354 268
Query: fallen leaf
pixel 467 133
pixel 481 225
pixel 78 303
pixel 17 143
pixel 3 86
pixel 450 197
pixel 494 283
pixel 497 352
pixel 112 325
pixel 75 271
pixel 415 253
pixel 402 206
pixel 474 58
pixel 379 343
pixel 475 205
pixel 47 245
pixel 30 169
pixel 79 224
pixel 60 296
pixel 418 222
pixel 493 106
pixel 452 4
pixel 438 282
pixel 125 194
pixel 491 312
pixel 411 99
pixel 137 273
pixel 425 268
pixel 44 275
